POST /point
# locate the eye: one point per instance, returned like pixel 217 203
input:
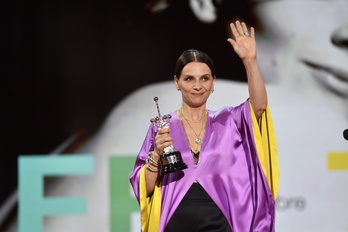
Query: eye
pixel 206 78
pixel 188 78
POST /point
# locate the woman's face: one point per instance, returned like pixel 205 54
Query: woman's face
pixel 304 43
pixel 195 83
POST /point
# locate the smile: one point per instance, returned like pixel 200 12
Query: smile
pixel 197 94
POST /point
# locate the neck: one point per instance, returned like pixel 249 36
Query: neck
pixel 194 114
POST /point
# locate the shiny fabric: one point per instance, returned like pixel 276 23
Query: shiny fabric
pixel 229 170
pixel 197 212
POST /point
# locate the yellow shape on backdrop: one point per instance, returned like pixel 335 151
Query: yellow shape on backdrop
pixel 337 161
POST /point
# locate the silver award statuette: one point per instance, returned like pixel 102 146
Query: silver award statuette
pixel 170 160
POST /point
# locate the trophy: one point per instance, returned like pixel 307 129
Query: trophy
pixel 170 160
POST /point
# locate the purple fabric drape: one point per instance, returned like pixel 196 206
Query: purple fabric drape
pixel 228 169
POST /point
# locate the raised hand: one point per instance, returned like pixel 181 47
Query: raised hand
pixel 244 43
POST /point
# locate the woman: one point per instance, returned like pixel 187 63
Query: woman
pixel 228 185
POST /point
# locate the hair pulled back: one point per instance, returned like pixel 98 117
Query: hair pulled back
pixel 192 55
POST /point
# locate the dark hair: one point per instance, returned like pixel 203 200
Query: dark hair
pixel 190 56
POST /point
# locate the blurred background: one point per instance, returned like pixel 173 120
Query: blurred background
pixel 66 66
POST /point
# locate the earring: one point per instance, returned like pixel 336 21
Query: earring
pixel 212 91
pixel 178 89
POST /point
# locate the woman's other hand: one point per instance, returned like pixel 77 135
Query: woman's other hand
pixel 244 43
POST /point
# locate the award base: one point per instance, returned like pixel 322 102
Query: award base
pixel 171 162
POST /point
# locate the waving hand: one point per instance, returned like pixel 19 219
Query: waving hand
pixel 244 44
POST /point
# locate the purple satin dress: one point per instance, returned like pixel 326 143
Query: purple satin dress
pixel 229 170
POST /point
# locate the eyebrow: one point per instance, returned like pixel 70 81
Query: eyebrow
pixel 204 75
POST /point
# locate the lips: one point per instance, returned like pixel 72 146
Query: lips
pixel 334 79
pixel 197 94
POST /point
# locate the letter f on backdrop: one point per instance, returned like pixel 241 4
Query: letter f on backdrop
pixel 33 206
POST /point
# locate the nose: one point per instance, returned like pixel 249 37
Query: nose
pixel 197 86
pixel 340 37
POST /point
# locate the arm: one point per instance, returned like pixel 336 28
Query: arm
pixel 163 139
pixel 151 174
pixel 245 47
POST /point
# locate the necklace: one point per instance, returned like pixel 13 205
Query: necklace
pixel 198 139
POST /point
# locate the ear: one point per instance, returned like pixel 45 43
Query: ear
pixel 213 85
pixel 176 80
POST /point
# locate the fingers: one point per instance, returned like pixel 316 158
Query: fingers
pixel 252 32
pixel 243 42
pixel 163 131
pixel 163 139
pixel 240 29
pixel 234 30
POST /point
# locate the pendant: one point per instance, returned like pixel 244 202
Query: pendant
pixel 198 141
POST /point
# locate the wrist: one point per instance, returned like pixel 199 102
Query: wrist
pixel 250 61
pixel 156 154
pixel 153 158
pixel 152 163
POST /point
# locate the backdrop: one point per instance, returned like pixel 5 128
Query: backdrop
pixel 78 82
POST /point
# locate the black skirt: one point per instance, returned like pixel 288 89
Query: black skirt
pixel 197 213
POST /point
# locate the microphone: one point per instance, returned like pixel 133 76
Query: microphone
pixel 345 134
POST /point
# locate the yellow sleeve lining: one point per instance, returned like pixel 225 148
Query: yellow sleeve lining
pixel 150 206
pixel 266 146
